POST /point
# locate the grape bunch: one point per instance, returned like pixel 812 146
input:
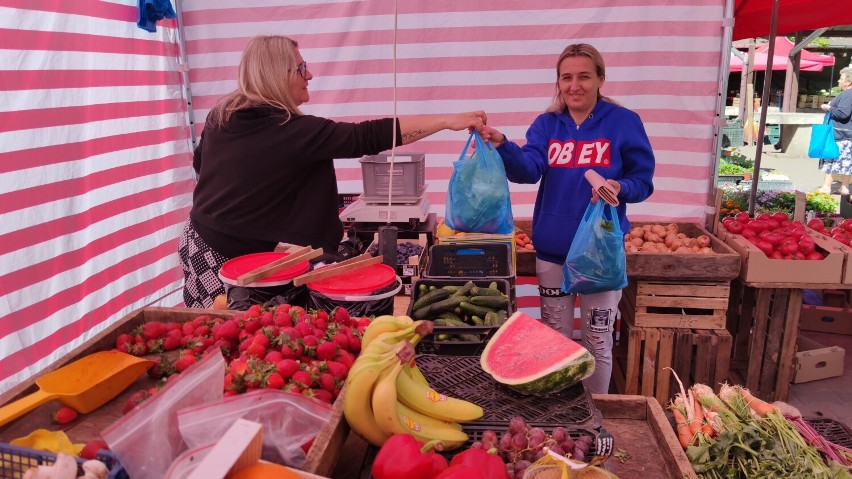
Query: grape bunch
pixel 522 445
pixel 403 251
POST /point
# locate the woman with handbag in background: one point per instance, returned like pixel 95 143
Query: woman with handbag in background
pixel 840 111
pixel 581 130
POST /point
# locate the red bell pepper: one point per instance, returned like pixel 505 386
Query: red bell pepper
pixel 403 456
pixel 461 471
pixel 491 465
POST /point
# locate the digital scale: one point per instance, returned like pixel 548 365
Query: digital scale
pixel 361 211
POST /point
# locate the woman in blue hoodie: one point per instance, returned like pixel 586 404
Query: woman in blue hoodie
pixel 581 130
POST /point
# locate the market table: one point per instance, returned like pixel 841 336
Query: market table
pixel 764 319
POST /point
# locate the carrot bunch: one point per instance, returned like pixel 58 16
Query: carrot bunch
pixel 735 434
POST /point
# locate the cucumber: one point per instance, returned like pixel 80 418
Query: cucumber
pixel 493 285
pixel 492 319
pixel 477 321
pixel 423 289
pixel 451 288
pixel 477 291
pixel 449 322
pixel 450 315
pixel 431 297
pixel 493 302
pixel 421 313
pixel 502 316
pixel 442 337
pixel 468 337
pixel 474 309
pixel 432 288
pixel 465 290
pixel 448 304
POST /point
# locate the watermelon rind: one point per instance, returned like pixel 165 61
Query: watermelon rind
pixel 558 371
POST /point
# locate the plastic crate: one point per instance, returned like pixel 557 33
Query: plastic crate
pixel 834 431
pixel 769 185
pixel 429 345
pixel 15 460
pixel 732 135
pixel 475 260
pixel 345 199
pixel 409 176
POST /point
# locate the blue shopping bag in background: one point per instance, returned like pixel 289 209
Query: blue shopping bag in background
pixel 596 261
pixel 822 145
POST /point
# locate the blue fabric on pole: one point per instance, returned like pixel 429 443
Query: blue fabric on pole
pixel 151 11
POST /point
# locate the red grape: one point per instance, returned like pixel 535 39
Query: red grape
pixel 516 425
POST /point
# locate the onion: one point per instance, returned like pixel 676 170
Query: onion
pixel 637 242
pixel 683 250
pixel 705 250
pixel 636 233
pixel 653 237
pixel 672 227
pixel 703 241
pixel 675 244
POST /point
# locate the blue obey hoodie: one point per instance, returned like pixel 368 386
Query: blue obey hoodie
pixel 612 141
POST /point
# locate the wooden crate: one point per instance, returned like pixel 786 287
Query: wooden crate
pixel 642 358
pixel 722 265
pixel 676 304
pixel 525 258
pixel 321 456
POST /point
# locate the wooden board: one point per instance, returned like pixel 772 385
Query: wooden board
pixel 723 264
pixel 321 456
pixel 676 304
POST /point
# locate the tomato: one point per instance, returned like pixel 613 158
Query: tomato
pixel 800 255
pixel 798 233
pixel 758 225
pixel 763 216
pixel 814 256
pixel 778 255
pixel 780 216
pixel 734 227
pixel 743 216
pixel 749 232
pixel 788 246
pixel 773 224
pixel 847 224
pixel 837 231
pixel 807 247
pixel 842 238
pixel 766 247
pixel 773 238
pixel 816 224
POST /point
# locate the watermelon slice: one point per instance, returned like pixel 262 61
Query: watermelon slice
pixel 533 358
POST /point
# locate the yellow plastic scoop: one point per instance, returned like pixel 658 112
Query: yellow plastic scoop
pixel 84 385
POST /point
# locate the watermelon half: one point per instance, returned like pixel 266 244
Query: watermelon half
pixel 533 358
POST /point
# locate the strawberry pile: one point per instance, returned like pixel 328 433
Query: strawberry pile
pixel 285 348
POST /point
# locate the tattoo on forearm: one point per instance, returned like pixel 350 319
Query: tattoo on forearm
pixel 414 135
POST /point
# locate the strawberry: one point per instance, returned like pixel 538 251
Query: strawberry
pixel 296 312
pixel 345 357
pixel 273 356
pixel 292 349
pixel 320 314
pixel 238 367
pixel 320 394
pixel 327 351
pixel 266 317
pixel 288 333
pixel 123 340
pixel 337 370
pixel 163 367
pixel 138 349
pixel 253 312
pixel 326 381
pixel 262 339
pixel 355 344
pixel 265 321
pixel 283 320
pixel 252 326
pixel 287 367
pixel 173 325
pixel 153 330
pixel 275 381
pixel 202 330
pixel 184 362
pixel 134 400
pixel 228 330
pixel 292 387
pixel 245 343
pixel 64 415
pixel 340 315
pixel 320 323
pixel 342 340
pixel 302 378
pixel 310 341
pixel 282 308
pixel 201 319
pixel 256 349
pixel 90 450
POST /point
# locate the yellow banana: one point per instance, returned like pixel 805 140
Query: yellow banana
pixel 357 400
pixel 414 373
pixel 427 401
pixel 384 324
pixel 409 414
pixel 390 420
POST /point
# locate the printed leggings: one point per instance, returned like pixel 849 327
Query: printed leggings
pixel 598 313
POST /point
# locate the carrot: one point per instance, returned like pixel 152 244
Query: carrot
pixel 683 433
pixel 759 406
pixel 705 428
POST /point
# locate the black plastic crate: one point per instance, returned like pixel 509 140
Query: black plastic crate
pixel 430 345
pixel 470 260
pixel 15 460
pixel 834 431
pixel 463 377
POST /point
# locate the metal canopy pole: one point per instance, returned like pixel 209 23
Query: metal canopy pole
pixel 764 106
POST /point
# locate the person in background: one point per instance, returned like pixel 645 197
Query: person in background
pixel 581 130
pixel 840 110
pixel 266 171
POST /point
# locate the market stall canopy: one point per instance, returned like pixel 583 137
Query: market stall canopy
pixel 778 63
pixel 783 46
pixel 752 17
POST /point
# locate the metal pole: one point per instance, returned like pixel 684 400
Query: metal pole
pixel 764 106
pixel 724 73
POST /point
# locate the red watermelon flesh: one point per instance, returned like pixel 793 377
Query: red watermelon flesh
pixel 533 358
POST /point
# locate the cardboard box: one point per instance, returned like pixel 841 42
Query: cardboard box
pixel 758 268
pixel 814 361
pixel 826 319
pixel 834 245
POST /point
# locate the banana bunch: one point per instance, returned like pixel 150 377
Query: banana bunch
pixel 385 393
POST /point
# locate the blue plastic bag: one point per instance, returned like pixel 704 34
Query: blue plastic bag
pixel 596 260
pixel 822 144
pixel 478 198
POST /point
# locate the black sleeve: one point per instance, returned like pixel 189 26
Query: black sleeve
pixel 329 139
pixel 196 155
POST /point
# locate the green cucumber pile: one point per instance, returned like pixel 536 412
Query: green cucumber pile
pixel 460 306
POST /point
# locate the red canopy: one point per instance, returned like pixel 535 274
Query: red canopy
pixel 783 47
pixel 752 17
pixel 778 63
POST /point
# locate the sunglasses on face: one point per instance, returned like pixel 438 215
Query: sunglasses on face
pixel 302 69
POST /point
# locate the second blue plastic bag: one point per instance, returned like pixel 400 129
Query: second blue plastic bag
pixel 596 260
pixel 478 198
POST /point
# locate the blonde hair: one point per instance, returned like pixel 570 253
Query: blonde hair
pixel 267 65
pixel 578 50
